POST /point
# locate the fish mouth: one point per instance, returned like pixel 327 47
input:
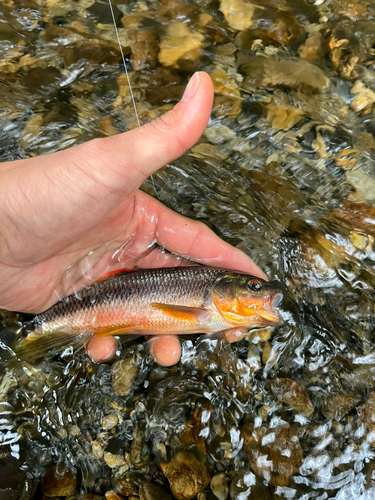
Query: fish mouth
pixel 268 314
pixel 270 318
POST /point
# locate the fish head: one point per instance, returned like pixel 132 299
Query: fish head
pixel 247 301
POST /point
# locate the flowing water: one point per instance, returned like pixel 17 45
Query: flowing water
pixel 286 172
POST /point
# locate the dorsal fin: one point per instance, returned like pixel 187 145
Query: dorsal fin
pixel 111 274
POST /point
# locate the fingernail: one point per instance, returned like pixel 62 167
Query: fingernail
pixel 191 88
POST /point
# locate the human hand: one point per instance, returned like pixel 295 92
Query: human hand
pixel 69 217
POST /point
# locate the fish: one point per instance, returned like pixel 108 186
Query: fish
pixel 177 300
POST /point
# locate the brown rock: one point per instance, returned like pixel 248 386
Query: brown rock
pixel 58 480
pixel 128 484
pixel 366 415
pixel 240 488
pixel 152 491
pixel 91 496
pixel 270 73
pixel 293 394
pixel 239 14
pixel 355 216
pixel 273 26
pixel 336 406
pixel 364 98
pixel 351 45
pixel 198 426
pixel 279 449
pixel 139 455
pixel 144 49
pixel 314 48
pixel 109 421
pixel 112 495
pixel 186 475
pixel 180 44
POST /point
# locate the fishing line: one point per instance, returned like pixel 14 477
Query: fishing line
pixel 127 76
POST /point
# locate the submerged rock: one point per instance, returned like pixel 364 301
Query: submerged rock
pixel 274 454
pixel 198 426
pixel 109 422
pixel 351 45
pixel 314 48
pixel 248 487
pixel 355 216
pixel 295 74
pixel 219 486
pixel 14 483
pixel 153 491
pixel 180 46
pixel 293 394
pixel 124 372
pixel 366 416
pixel 58 480
pixel 186 475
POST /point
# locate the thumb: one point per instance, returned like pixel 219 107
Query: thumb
pixel 140 152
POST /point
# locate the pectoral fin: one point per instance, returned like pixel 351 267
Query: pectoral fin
pixel 116 330
pixel 192 314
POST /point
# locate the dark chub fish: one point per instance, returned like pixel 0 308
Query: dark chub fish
pixel 178 300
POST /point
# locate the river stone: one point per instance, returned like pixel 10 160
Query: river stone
pixel 128 484
pixel 363 183
pixel 293 394
pixel 186 475
pixel 219 486
pixel 238 14
pixel 180 43
pixel 152 491
pixel 248 487
pixel 113 460
pixel 124 373
pixel 58 480
pixel 274 453
pixel 112 495
pixel 109 422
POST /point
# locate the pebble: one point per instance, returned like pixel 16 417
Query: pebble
pixel 363 183
pixel 152 491
pixel 124 373
pixel 239 14
pixel 109 422
pixel 219 486
pixel 180 43
pixel 113 460
pixel 186 475
pixel 112 495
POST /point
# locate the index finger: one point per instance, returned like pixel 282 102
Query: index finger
pixel 194 241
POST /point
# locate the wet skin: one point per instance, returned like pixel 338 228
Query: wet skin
pixel 70 217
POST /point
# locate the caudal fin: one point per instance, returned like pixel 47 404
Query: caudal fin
pixel 37 345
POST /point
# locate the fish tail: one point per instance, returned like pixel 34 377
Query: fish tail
pixel 37 345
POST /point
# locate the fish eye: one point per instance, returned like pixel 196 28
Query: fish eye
pixel 254 285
